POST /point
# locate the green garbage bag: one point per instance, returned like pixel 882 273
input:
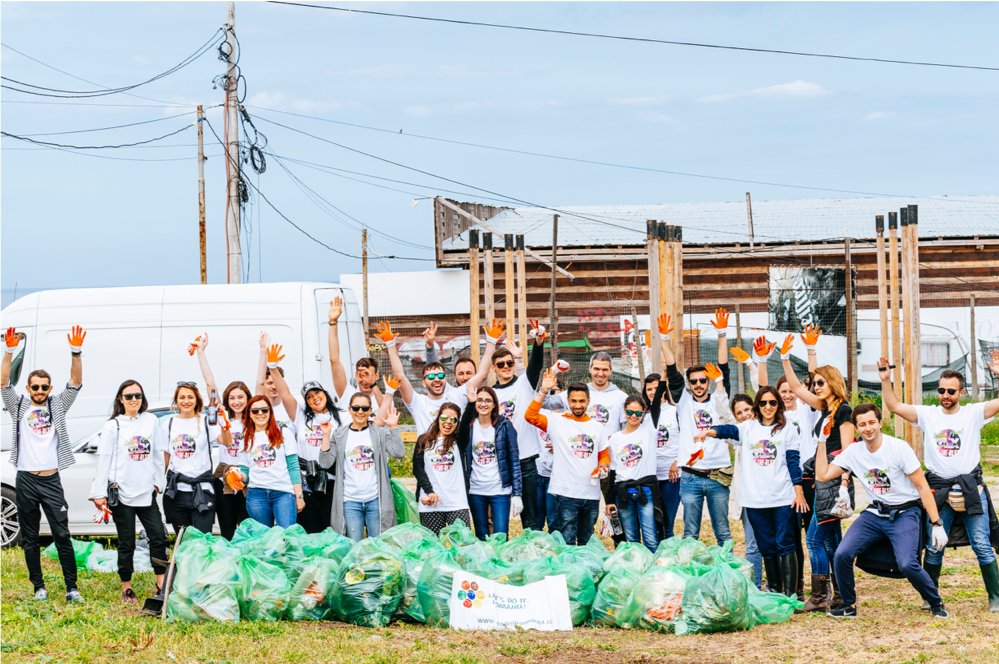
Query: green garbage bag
pixel 471 556
pixel 81 551
pixel 589 556
pixel 311 598
pixel 689 554
pixel 496 541
pixel 248 529
pixel 578 581
pixel 717 601
pixel 457 534
pixel 612 597
pixel 769 608
pixel 303 548
pixel 531 544
pixel 205 578
pixel 723 555
pixel 497 569
pixel 405 503
pixel 263 591
pixel 369 584
pixel 632 555
pixel 656 600
pixel 433 589
pixel 414 558
pixel 405 535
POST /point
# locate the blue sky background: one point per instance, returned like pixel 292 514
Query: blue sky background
pixel 78 220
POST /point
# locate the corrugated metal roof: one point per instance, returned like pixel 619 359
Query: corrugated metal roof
pixel 725 223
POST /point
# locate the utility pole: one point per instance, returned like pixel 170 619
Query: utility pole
pixel 233 247
pixel 202 233
pixel 749 216
pixel 364 278
pixel 553 311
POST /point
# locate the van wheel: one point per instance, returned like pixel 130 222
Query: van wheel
pixel 10 527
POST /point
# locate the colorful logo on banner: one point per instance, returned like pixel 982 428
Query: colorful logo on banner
pixel 470 595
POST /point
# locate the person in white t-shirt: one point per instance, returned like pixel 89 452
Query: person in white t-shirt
pixel 365 370
pixel 742 411
pixel 439 469
pixel 130 474
pixel 464 367
pixel 581 458
pixel 667 441
pixel 270 357
pixel 606 404
pixel 952 454
pixel 635 491
pixel 893 480
pixel 189 497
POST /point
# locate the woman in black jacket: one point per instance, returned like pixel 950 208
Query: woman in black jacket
pixel 492 463
pixel 438 465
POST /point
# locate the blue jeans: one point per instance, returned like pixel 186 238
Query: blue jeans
pixel 752 551
pixel 547 503
pixel 903 533
pixel 774 529
pixel 271 507
pixel 484 507
pixel 978 533
pixel 670 493
pixel 816 551
pixel 694 490
pixel 638 516
pixel 361 516
pixel 576 518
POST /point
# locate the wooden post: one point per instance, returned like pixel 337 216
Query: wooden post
pixel 896 323
pixel 879 227
pixel 903 287
pixel 233 248
pixel 473 291
pixel 675 242
pixel 665 266
pixel 749 215
pixel 652 247
pixel 910 289
pixel 510 294
pixel 488 278
pixel 740 372
pixel 639 349
pixel 974 353
pixel 553 309
pixel 522 293
pixel 202 233
pixel 851 322
pixel 364 281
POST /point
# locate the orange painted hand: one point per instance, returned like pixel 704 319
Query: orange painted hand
pixel 391 384
pixel 494 331
pixel 599 473
pixel 76 337
pixel 695 457
pixel 785 348
pixel 720 321
pixel 811 335
pixel 103 514
pixel 713 372
pixel 762 347
pixel 740 355
pixel 274 355
pixel 234 479
pixel 12 338
pixel 199 342
pixel 827 428
pixel 665 324
pixel 224 419
pixel 383 330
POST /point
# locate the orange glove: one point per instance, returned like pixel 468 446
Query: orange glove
pixel 695 457
pixel 763 348
pixel 224 419
pixel 811 335
pixel 12 338
pixel 713 372
pixel 826 429
pixel 234 479
pixel 720 321
pixel 740 355
pixel 665 325
pixel 76 337
pixel 391 384
pixel 383 330
pixel 785 348
pixel 192 348
pixel 274 356
pixel 599 473
pixel 494 331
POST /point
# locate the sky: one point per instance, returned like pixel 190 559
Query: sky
pixel 129 216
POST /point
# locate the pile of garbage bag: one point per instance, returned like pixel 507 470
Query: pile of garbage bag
pixel 93 557
pixel 406 574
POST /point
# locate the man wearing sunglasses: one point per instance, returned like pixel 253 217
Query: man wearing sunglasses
pixel 40 448
pixel 952 440
pixel 464 367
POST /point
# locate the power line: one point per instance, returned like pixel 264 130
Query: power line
pixel 121 126
pixel 95 147
pixel 647 40
pixel 104 156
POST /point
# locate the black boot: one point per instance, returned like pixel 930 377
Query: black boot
pixel 990 574
pixel 775 580
pixel 934 572
pixel 789 573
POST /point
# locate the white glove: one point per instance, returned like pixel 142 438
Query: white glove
pixel 824 433
pixel 533 334
pixel 938 538
pixel 561 366
pixel 516 506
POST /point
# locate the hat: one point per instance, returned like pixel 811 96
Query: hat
pixel 310 386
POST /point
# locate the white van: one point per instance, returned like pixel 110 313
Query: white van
pixel 142 333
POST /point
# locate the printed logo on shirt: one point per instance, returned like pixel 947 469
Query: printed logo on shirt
pixel 764 452
pixel 703 419
pixel 508 408
pixel 546 441
pixel 442 461
pixel 630 455
pixel 878 481
pixel 948 442
pixel 314 435
pixel 484 452
pixel 236 446
pixel 138 447
pixel 263 456
pixel 599 413
pixel 361 457
pixel 183 446
pixel 40 421
pixel 582 446
pixel 662 436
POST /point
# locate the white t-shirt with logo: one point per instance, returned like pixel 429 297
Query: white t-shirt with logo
pixel 485 479
pixel 187 445
pixel 667 440
pixel 953 443
pixel 694 416
pixel 446 474
pixel 269 465
pixel 38 446
pixel 606 406
pixel 545 455
pixel 883 474
pixel 425 408
pixel 513 402
pixel 633 455
pixel 360 481
pixel 310 436
pixel 576 447
pixel 805 417
pixel 763 477
pixel 231 454
pixel 133 449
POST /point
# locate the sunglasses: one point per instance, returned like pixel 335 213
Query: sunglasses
pixel 634 413
pixel 504 364
pixel 39 388
pixel 698 381
pixel 440 375
pixel 137 396
pixel 448 418
pixel 360 409
pixel 947 390
pixel 259 411
pixel 768 402
pixel 187 383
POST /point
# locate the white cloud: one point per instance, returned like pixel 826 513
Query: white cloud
pixel 877 116
pixel 792 90
pixel 279 101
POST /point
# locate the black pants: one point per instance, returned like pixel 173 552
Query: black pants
pixel 530 515
pixel 32 494
pixel 180 511
pixel 152 522
pixel 315 516
pixel 231 509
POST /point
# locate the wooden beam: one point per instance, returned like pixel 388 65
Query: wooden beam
pixel 913 324
pixel 674 242
pixel 489 278
pixel 511 298
pixel 639 347
pixel 740 372
pixel 522 293
pixel 879 226
pixel 553 307
pixel 974 351
pixel 473 291
pixel 851 322
pixel 893 308
pixel 652 246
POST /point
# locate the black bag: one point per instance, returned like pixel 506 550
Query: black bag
pixel 113 499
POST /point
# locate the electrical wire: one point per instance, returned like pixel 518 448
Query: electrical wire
pixel 647 40
pixel 121 126
pixel 95 147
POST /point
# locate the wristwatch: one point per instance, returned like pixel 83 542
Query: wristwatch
pixel 938 522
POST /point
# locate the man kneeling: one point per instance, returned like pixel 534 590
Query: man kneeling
pixel 893 479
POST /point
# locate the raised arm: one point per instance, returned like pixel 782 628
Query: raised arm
pixel 429 338
pixel 200 345
pixel 337 370
pixel 656 405
pixel 383 330
pixel 792 380
pixel 12 339
pixel 76 337
pixel 265 341
pixel 674 379
pixel 720 323
pixel 274 357
pixel 536 360
pixel 811 337
pixel 533 414
pixel 888 397
pixel 465 423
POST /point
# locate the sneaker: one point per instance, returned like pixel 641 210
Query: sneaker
pixel 41 594
pixel 939 611
pixel 128 596
pixel 843 612
pixel 74 596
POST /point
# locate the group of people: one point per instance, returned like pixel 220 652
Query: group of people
pixel 531 448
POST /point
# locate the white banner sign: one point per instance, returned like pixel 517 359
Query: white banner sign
pixel 478 603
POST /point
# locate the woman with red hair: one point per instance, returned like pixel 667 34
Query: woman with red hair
pixel 269 466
